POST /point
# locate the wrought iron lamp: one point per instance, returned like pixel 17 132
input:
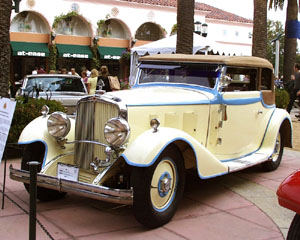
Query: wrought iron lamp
pixel 200 28
pixel 197 27
pixel 16 7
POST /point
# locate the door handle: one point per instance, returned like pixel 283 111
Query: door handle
pixel 260 112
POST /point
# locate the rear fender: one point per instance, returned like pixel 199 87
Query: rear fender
pixel 280 121
pixel 146 149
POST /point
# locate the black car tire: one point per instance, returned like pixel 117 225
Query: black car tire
pixel 35 152
pixel 294 230
pixel 154 206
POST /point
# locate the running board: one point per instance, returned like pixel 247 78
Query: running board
pixel 246 162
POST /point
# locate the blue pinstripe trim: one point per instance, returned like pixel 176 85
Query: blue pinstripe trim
pixel 218 99
pixel 42 141
pixel 159 153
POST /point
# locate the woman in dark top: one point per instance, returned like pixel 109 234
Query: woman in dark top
pixel 104 73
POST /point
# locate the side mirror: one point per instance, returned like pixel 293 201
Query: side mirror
pixel 225 81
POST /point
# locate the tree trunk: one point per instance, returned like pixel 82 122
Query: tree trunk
pixel 290 44
pixel 259 38
pixel 185 26
pixel 5 12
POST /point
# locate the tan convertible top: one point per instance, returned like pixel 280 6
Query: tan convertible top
pixel 236 61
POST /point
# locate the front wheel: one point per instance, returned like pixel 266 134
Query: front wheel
pixel 275 159
pixel 294 230
pixel 35 152
pixel 158 189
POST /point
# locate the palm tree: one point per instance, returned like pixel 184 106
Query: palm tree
pixel 185 26
pixel 5 12
pixel 290 43
pixel 259 39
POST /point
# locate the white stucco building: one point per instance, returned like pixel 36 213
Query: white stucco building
pixel 112 25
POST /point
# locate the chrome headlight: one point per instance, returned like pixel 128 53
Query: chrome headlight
pixel 58 125
pixel 116 131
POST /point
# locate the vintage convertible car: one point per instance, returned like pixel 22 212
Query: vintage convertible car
pixel 211 114
pixel 289 197
pixel 65 88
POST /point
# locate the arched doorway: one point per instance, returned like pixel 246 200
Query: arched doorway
pixel 114 38
pixel 29 36
pixel 73 35
pixel 149 32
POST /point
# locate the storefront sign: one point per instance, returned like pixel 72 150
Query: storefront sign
pixel 31 54
pixel 7 108
pixel 75 55
pixel 111 57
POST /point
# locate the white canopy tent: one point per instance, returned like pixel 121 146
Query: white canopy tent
pixel 165 45
pixel 168 45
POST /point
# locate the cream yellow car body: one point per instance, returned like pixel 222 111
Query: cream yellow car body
pixel 213 129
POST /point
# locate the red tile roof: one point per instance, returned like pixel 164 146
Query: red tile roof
pixel 214 13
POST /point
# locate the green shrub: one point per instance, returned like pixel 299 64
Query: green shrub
pixel 282 98
pixel 26 111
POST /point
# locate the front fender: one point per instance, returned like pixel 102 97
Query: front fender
pixel 36 131
pixel 146 148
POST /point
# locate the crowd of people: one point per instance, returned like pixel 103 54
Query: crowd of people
pixel 94 79
pixel 97 80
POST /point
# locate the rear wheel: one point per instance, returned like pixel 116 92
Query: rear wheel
pixel 158 189
pixel 35 152
pixel 275 159
pixel 294 230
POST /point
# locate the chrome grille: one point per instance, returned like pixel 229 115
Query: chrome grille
pixel 90 120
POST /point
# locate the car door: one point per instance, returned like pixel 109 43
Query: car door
pixel 238 123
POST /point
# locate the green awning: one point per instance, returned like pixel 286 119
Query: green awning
pixel 113 53
pixel 74 51
pixel 29 49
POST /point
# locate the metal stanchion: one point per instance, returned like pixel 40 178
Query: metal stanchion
pixel 32 189
pixel 4 179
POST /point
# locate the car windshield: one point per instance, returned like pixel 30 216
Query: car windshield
pixel 195 74
pixel 57 84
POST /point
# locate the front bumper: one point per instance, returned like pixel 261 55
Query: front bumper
pixel 120 196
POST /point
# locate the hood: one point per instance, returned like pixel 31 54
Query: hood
pixel 162 96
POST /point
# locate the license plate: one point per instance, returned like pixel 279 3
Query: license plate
pixel 68 172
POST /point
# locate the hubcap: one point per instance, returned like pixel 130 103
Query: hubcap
pixel 163 184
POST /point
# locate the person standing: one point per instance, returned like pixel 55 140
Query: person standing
pixel 35 70
pixel 41 70
pixel 104 74
pixel 92 82
pixel 293 95
pixel 73 72
pixel 84 78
